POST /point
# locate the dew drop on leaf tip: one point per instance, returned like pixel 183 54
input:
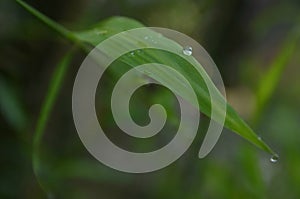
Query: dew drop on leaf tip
pixel 274 158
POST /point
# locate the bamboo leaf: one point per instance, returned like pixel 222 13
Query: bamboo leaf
pixel 118 24
pixel 112 26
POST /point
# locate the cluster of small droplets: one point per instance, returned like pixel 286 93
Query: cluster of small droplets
pixel 150 38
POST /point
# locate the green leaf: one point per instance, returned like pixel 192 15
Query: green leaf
pixel 233 121
pixel 118 24
pixel 47 106
pixel 107 28
pixel 271 78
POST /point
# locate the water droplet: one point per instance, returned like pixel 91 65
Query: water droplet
pixel 146 37
pixel 155 42
pixel 274 158
pixel 132 54
pixel 188 50
pixel 259 138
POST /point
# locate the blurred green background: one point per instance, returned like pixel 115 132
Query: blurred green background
pixel 255 46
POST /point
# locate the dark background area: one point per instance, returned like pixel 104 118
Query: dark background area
pixel 245 39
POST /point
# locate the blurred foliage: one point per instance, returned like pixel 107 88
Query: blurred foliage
pixel 247 40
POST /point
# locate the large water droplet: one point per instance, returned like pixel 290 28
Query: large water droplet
pixel 188 50
pixel 274 158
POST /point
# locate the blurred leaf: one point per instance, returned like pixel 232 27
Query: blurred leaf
pixel 87 169
pixel 270 80
pixel 11 106
pixel 47 106
pixel 250 174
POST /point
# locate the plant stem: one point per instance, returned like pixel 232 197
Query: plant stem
pixel 53 90
pixel 50 23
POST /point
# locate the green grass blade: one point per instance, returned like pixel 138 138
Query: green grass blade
pixel 118 24
pixel 53 25
pixel 233 121
pixel 47 106
pixel 270 80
